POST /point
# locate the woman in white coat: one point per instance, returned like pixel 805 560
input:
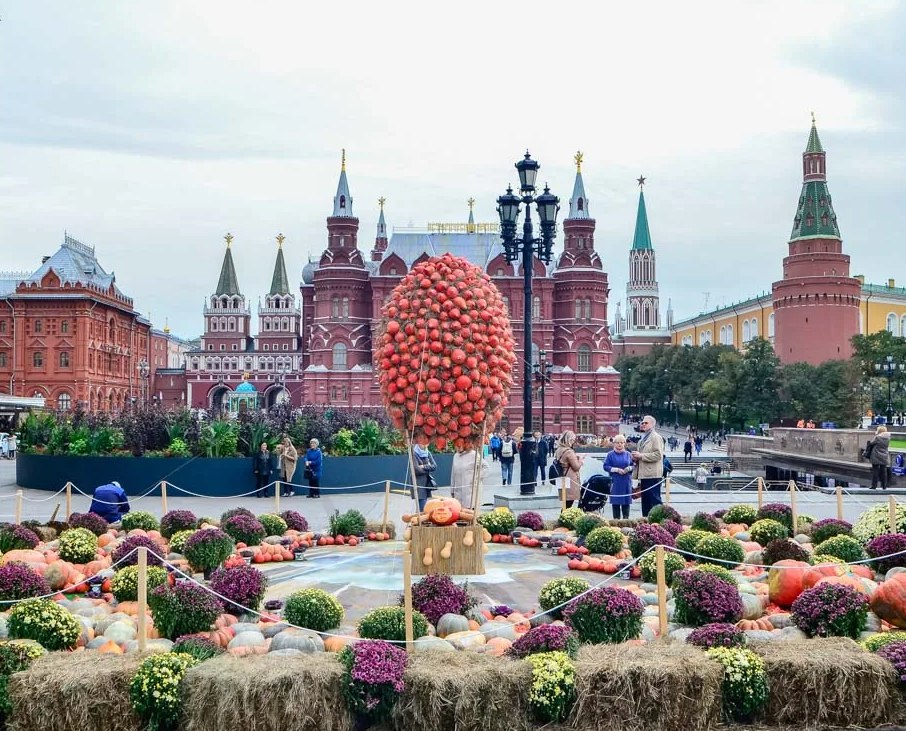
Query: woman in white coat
pixel 463 473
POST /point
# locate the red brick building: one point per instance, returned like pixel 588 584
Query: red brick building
pixel 319 351
pixel 69 334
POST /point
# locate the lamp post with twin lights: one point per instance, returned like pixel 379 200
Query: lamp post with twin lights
pixel 527 247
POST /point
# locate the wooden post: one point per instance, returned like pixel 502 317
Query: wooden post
pixel 53 515
pixel 18 506
pixel 163 496
pixel 892 506
pixel 68 500
pixel 277 489
pixel 795 512
pixel 760 492
pixel 563 492
pixel 386 506
pixel 661 591
pixel 839 503
pixel 667 490
pixel 142 598
pixel 407 597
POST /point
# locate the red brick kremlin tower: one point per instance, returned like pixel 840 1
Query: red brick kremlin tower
pixel 816 304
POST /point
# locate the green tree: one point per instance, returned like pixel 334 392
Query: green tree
pixel 758 387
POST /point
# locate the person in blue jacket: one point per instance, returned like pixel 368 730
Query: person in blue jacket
pixel 618 464
pixel 313 461
pixel 110 502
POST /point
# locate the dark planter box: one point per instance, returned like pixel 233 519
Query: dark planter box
pixel 215 477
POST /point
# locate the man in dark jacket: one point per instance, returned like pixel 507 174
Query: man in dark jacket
pixel 110 502
pixel 541 455
pixel 261 464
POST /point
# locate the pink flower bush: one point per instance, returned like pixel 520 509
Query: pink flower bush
pixel 373 677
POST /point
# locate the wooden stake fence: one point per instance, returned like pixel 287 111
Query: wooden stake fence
pixel 667 490
pixel 793 510
pixel 18 506
pixel 68 500
pixel 892 508
pixel 386 506
pixel 760 492
pixel 407 598
pixel 163 496
pixel 661 591
pixel 142 598
pixel 839 503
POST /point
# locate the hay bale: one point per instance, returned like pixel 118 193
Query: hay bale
pixel 464 691
pixel 82 690
pixel 264 693
pixel 827 682
pixel 662 685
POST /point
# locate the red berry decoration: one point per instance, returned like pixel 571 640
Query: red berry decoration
pixel 445 353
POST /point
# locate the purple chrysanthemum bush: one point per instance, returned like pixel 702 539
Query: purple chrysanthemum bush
pixel 545 638
pixel 175 521
pixel 777 511
pixel 605 615
pixel 373 677
pixel 18 581
pixel 245 529
pixel 129 544
pixel 830 610
pixel 672 527
pixel 183 609
pixel 437 595
pixel 717 634
pixel 92 521
pixel 703 598
pixel 887 545
pixel 828 528
pixel 242 586
pixel 17 537
pixel 649 535
pixel 895 654
pixel 530 520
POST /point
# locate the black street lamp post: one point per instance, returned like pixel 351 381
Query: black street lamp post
pixel 542 371
pixel 528 247
pixel 889 369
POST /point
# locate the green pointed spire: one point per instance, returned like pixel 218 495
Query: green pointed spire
pixel 814 142
pixel 642 238
pixel 228 283
pixel 280 282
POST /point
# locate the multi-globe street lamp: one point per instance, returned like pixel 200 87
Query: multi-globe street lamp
pixel 542 372
pixel 527 247
pixel 889 369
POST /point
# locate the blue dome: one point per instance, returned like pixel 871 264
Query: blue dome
pixel 246 387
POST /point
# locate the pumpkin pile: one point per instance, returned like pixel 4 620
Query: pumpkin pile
pixel 445 353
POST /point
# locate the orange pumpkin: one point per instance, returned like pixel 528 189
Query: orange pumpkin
pixel 334 644
pixel 785 581
pixel 225 620
pixel 762 624
pixel 23 555
pixel 825 570
pixel 889 601
pixel 110 647
pixel 862 570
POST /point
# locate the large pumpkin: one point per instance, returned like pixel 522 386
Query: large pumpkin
pixel 889 601
pixel 853 582
pixel 822 571
pixel 785 581
pixel 445 353
pixel 443 510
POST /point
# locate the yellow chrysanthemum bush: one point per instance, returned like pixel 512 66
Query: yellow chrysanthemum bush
pixel 156 689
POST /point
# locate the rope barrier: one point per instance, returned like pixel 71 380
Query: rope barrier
pixel 42 499
pixel 765 566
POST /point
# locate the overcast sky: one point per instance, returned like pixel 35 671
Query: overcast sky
pixel 152 129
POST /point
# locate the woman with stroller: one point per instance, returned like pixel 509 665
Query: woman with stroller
pixel 619 465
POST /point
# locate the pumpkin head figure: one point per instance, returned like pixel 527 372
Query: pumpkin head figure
pixel 443 510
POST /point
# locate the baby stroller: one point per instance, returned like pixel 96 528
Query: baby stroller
pixel 594 493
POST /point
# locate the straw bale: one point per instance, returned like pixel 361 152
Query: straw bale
pixel 63 691
pixel 264 693
pixel 464 691
pixel 663 685
pixel 827 682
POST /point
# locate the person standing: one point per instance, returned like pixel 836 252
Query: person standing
pixel 618 464
pixel 261 464
pixel 507 458
pixel 314 461
pixel 541 455
pixel 701 476
pixel 425 467
pixel 463 473
pixel 494 444
pixel 110 502
pixel 878 450
pixel 570 464
pixel 289 457
pixel 649 464
pixel 698 446
pixel 11 445
pixel 687 451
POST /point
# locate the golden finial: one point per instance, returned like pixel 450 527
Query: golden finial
pixel 280 239
pixel 578 159
pixel 813 119
pixel 246 375
pixel 167 325
pixel 343 161
pixel 381 201
pixel 471 203
pixel 229 239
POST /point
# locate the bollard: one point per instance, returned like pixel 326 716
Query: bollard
pixel 407 597
pixel 142 598
pixel 839 503
pixel 163 496
pixel 68 500
pixel 760 492
pixel 667 490
pixel 277 488
pixel 661 591
pixel 892 508
pixel 18 506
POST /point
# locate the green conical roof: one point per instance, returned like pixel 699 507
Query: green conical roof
pixel 642 238
pixel 814 142
pixel 228 283
pixel 280 282
pixel 815 214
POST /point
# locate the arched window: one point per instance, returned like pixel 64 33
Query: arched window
pixel 587 310
pixel 223 322
pixel 335 307
pixel 339 357
pixel 771 325
pixel 345 308
pixel 903 324
pixel 753 329
pixel 64 401
pixel 342 202
pixel 581 205
pixel 730 339
pixel 64 329
pixel 746 331
pixel 37 359
pixel 578 309
pixel 536 308
pixel 584 353
pixel 232 323
pixel 267 323
pixel 213 324
pixel 723 334
pixel 285 323
pixel 64 360
pixel 893 324
pixel 536 354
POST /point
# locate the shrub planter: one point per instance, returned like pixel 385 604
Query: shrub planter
pixel 209 476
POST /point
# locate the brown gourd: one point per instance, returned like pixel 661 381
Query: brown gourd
pixel 429 556
pixel 447 550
